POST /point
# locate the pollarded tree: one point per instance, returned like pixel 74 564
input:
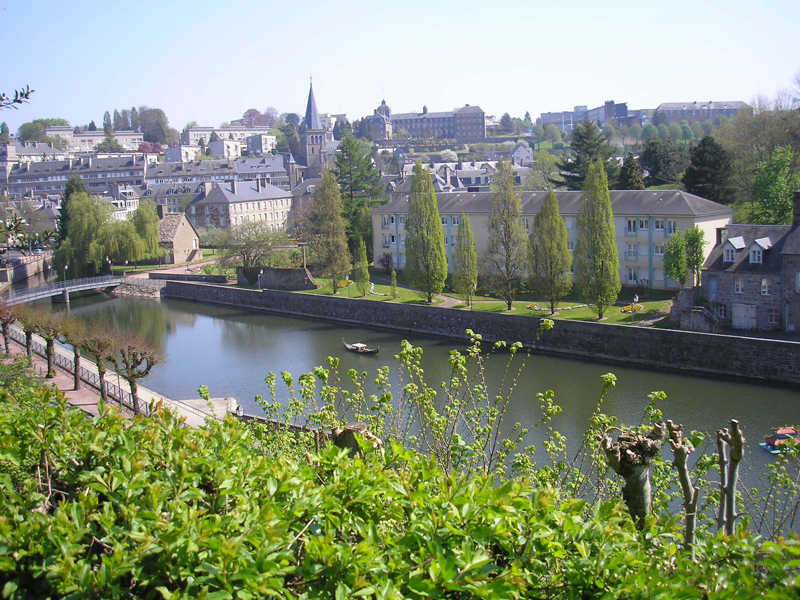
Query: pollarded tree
pixel 588 145
pixel 361 268
pixel 550 258
pixel 7 317
pixel 100 343
pixel 630 175
pixel 28 319
pixel 675 266
pixel 596 259
pixel 134 359
pixel 695 252
pixel 709 172
pixel 426 263
pixel 465 261
pixel 74 332
pixel 327 231
pixel 49 327
pixel 251 243
pixel 506 250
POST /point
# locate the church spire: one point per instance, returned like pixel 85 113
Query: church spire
pixel 312 115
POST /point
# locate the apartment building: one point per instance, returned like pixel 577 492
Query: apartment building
pixel 238 202
pixel 643 222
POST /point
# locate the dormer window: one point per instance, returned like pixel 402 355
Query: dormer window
pixel 756 256
pixel 730 255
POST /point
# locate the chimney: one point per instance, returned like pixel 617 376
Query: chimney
pixel 89 161
pixel 69 160
pixel 720 235
pixel 233 186
pixel 160 210
pixel 258 184
pixel 207 188
pixel 796 201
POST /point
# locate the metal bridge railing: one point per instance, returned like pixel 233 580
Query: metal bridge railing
pixel 50 289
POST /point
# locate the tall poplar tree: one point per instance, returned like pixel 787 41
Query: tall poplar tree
pixel 631 176
pixel 465 261
pixel 675 265
pixel 327 230
pixel 506 249
pixel 426 263
pixel 361 268
pixel 695 252
pixel 108 125
pixel 74 186
pixel 550 258
pixel 596 259
pixel 588 145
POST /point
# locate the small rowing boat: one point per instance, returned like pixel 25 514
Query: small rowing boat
pixel 782 439
pixel 359 348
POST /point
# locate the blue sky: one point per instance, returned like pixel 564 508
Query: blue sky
pixel 210 61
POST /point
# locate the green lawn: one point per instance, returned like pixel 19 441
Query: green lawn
pixel 404 295
pixel 614 314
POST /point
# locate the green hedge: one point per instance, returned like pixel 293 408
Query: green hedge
pixel 151 509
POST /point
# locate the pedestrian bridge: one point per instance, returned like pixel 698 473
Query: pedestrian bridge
pixel 61 288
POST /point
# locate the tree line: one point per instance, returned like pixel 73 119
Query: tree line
pixel 133 357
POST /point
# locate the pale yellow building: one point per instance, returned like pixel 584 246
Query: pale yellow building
pixel 643 222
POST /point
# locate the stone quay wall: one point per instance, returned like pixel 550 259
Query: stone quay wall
pixel 188 277
pixel 138 286
pixel 683 351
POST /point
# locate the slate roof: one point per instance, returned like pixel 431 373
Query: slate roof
pixel 41 169
pixel 157 190
pixel 771 259
pixel 468 109
pixel 196 168
pixel 222 193
pixel 306 187
pixel 266 164
pixel 427 115
pixel 37 148
pixel 168 227
pixel 668 203
pixel 312 120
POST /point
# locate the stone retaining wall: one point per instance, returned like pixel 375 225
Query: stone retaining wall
pixel 188 277
pixel 138 286
pixel 698 353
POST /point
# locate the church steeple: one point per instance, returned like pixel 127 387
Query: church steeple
pixel 312 121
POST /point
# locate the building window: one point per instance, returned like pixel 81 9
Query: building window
pixel 672 227
pixel 755 256
pixel 632 251
pixel 722 311
pixel 658 224
pixel 730 255
pixel 738 285
pixel 773 316
pixel 444 220
pixel 643 224
pixel 631 274
pixel 456 220
pixel 570 246
pixel 631 226
pixel 658 250
pixel 766 287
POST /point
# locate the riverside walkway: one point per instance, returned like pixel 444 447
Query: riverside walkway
pixel 117 388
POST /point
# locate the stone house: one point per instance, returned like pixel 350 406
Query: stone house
pixel 179 238
pixel 751 279
pixel 237 202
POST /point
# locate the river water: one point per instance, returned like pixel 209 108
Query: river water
pixel 231 351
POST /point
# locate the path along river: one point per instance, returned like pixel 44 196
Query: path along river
pixel 231 351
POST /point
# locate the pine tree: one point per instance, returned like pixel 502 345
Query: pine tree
pixel 74 186
pixel 588 144
pixel 465 261
pixel 675 266
pixel 506 249
pixel 5 134
pixel 327 230
pixel 709 172
pixel 596 260
pixel 550 258
pixel 426 263
pixel 394 284
pixel 361 188
pixel 134 119
pixel 630 175
pixel 361 269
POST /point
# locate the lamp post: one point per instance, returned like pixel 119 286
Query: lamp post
pixel 260 273
pixel 108 262
pixel 126 264
pixel 65 275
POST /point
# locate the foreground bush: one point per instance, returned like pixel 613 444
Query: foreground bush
pixel 108 508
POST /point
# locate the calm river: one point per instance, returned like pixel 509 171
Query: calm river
pixel 232 351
